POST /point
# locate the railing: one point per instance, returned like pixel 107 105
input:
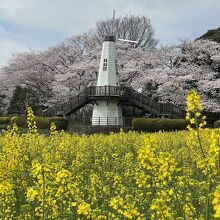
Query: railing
pixel 153 106
pixel 126 93
pixel 107 121
pixel 103 121
pixel 104 90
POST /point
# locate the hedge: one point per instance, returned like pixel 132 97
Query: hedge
pixel 42 122
pixel 19 121
pixel 3 127
pixel 4 120
pixel 60 122
pixel 217 124
pixel 153 125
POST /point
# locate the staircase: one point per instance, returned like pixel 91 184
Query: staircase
pixel 154 108
pixel 125 95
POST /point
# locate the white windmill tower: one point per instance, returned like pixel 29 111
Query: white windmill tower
pixel 107 110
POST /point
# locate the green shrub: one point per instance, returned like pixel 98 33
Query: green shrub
pixel 19 121
pixel 217 124
pixel 143 124
pixel 3 126
pixel 4 120
pixel 152 125
pixel 13 120
pixel 60 122
pixel 42 122
pixel 173 124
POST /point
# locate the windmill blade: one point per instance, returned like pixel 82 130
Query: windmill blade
pixel 129 41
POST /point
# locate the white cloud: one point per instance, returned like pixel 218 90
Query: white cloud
pixel 8 47
pixel 172 19
pixel 10 44
pixel 56 15
pixel 74 16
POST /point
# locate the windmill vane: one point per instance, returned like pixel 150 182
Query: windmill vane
pixel 130 41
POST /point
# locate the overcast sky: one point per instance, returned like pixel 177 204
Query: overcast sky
pixel 38 24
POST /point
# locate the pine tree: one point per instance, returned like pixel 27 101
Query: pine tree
pixel 19 100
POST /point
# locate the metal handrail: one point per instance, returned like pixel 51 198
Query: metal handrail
pixel 90 93
pixel 105 121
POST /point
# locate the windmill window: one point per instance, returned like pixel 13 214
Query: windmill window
pixel 116 66
pixel 105 65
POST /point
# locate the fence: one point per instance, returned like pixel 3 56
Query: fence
pixel 103 121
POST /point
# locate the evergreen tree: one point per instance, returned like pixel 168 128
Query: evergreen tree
pixel 2 104
pixel 212 35
pixel 19 100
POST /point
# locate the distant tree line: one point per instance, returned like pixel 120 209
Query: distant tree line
pixel 213 35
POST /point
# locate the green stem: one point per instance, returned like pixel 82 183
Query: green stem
pixel 179 204
pixel 207 202
pixel 43 193
pixel 199 138
pixel 218 159
pixel 191 209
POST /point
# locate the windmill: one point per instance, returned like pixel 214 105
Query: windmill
pixel 108 111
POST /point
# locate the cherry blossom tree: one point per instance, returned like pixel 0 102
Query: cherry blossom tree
pixel 137 28
pixel 166 74
pixel 193 65
pixel 31 70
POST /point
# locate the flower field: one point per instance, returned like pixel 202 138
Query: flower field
pixel 162 175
